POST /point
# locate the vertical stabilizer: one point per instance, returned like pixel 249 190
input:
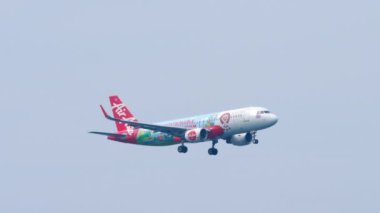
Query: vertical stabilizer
pixel 120 111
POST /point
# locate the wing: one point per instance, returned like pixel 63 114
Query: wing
pixel 176 131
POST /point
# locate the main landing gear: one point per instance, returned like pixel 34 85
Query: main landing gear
pixel 213 150
pixel 182 149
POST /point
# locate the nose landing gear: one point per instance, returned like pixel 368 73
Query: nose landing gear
pixel 254 140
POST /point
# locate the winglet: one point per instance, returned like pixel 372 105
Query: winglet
pixel 104 112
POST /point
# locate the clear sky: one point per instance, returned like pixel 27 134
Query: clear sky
pixel 313 63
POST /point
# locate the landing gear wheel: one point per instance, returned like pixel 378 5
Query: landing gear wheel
pixel 255 141
pixel 182 149
pixel 212 151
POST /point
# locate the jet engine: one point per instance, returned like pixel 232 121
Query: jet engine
pixel 196 135
pixel 240 139
pixel 214 132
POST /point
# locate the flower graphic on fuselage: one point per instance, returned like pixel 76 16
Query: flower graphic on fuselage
pixel 224 120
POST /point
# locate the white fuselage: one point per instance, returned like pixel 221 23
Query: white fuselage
pixel 233 122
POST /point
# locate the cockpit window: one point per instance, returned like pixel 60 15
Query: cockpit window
pixel 263 112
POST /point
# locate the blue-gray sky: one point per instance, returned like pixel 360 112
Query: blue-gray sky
pixel 314 63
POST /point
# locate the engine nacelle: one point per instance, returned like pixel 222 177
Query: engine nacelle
pixel 196 135
pixel 240 139
pixel 214 132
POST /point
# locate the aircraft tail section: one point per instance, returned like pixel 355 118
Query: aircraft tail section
pixel 120 111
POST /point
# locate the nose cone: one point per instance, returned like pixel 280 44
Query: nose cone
pixel 273 119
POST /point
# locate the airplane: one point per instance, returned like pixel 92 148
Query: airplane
pixel 237 127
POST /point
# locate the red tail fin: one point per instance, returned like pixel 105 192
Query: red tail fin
pixel 120 111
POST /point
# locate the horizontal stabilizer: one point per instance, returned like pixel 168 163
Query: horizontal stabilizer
pixel 108 134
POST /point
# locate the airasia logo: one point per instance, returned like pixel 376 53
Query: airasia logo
pixel 120 110
pixel 192 135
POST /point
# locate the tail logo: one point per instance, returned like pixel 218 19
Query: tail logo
pixel 122 112
pixel 120 109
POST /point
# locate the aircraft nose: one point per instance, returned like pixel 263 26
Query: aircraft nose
pixel 274 119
